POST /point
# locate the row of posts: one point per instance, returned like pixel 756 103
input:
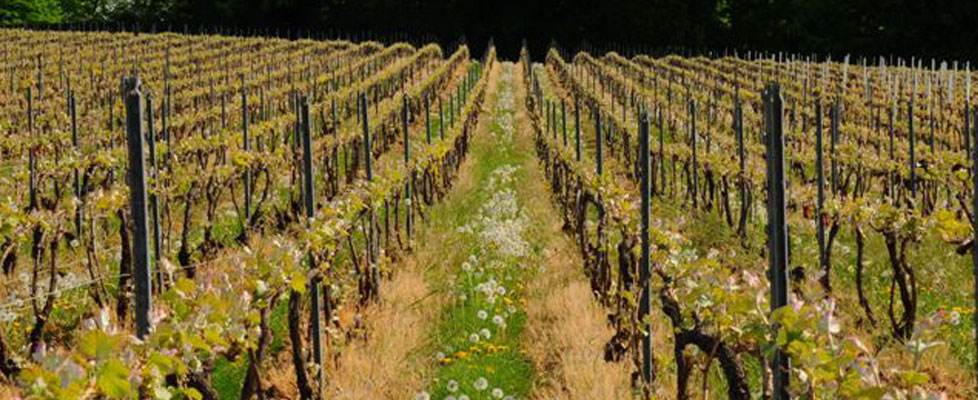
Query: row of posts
pixel 778 240
pixel 143 205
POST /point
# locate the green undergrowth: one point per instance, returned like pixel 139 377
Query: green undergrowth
pixel 943 279
pixel 228 377
pixel 475 345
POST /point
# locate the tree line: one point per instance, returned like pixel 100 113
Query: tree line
pixel 940 28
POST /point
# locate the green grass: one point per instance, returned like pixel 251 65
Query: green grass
pixel 498 360
pixel 228 377
pixel 943 277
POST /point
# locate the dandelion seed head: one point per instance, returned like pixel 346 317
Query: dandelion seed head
pixel 481 384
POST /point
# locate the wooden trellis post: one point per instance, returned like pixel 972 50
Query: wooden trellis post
pixel 974 206
pixel 137 202
pixel 31 156
pixel 742 158
pixel 598 136
pixel 563 120
pixel 777 225
pixel 307 182
pixel 820 177
pixel 247 174
pixel 407 162
pixel 892 175
pixel 577 129
pixel 913 156
pixel 366 137
pixel 695 168
pixel 648 373
pixel 662 152
pixel 835 138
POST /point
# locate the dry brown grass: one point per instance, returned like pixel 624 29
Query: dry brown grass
pixel 566 327
pixel 567 331
pixel 389 364
pixel 8 391
pixel 382 366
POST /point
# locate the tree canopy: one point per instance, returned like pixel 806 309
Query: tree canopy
pixel 885 27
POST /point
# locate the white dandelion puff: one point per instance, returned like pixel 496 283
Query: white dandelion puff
pixel 481 384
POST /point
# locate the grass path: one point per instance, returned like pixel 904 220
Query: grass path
pixel 388 362
pixel 492 304
pixel 566 327
pixel 519 320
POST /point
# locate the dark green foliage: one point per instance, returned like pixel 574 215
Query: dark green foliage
pixel 19 12
pixel 860 27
